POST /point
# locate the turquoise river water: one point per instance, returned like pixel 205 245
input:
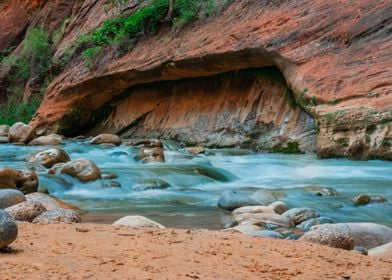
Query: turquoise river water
pixel 196 182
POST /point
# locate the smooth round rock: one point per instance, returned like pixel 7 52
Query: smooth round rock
pixel 21 133
pixel 299 215
pixel 26 211
pixel 306 225
pixel 279 207
pixel 82 169
pixel 151 154
pixel 196 150
pixel 137 221
pixel 106 139
pixel 332 235
pixel 58 216
pixel 23 180
pixel 49 158
pixel 9 197
pixel 150 184
pixel 50 202
pixel 48 140
pixel 253 209
pixel 8 229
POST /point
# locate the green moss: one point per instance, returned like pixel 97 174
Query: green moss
pixel 291 99
pixel 291 148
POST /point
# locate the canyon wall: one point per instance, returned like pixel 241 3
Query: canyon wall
pixel 335 57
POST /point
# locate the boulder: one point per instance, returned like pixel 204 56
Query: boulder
pixel 383 252
pixel 150 184
pixel 8 229
pixel 266 196
pixel 26 211
pixel 137 221
pixel 361 199
pixel 332 235
pixel 370 235
pixel 58 216
pixel 82 169
pixel 21 133
pixel 151 154
pixel 147 143
pixel 378 198
pixel 230 200
pixel 9 197
pixel 48 140
pixel 299 215
pixel 196 150
pixel 261 219
pixel 324 191
pixel 50 202
pixel 4 129
pixel 23 180
pixel 106 139
pixel 253 209
pixel 49 157
pixel 279 207
pixel 3 139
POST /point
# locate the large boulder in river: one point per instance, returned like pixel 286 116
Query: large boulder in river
pixel 82 169
pixel 106 139
pixel 8 229
pixel 299 215
pixel 23 180
pixel 9 197
pixel 50 202
pixel 49 157
pixel 137 221
pixel 230 200
pixel 21 133
pixel 48 140
pixel 26 211
pixel 332 235
pixel 58 216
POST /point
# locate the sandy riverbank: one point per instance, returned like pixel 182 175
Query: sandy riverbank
pixel 88 251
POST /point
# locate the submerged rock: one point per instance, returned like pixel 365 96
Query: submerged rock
pixel 378 198
pixel 106 139
pixel 8 229
pixel 49 157
pixel 262 219
pixel 323 191
pixel 26 211
pixel 23 180
pixel 108 176
pixel 82 169
pixel 9 197
pixel 150 184
pixel 196 150
pixel 299 215
pixel 230 200
pixel 266 196
pixel 58 216
pixel 361 199
pixel 332 235
pixel 21 133
pixel 147 143
pixel 48 140
pixel 137 221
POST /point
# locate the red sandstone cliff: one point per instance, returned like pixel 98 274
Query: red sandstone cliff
pixel 335 56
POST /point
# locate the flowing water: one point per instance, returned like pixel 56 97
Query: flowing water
pixel 196 182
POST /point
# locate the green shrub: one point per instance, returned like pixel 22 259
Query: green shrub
pixel 291 148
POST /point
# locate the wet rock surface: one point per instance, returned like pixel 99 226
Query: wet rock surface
pixel 106 139
pixel 49 157
pixel 82 169
pixel 49 140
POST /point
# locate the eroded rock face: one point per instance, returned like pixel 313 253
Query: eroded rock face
pixel 82 169
pixel 23 180
pixel 49 157
pixel 334 58
pixel 21 133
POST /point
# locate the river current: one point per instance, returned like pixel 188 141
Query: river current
pixel 194 183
